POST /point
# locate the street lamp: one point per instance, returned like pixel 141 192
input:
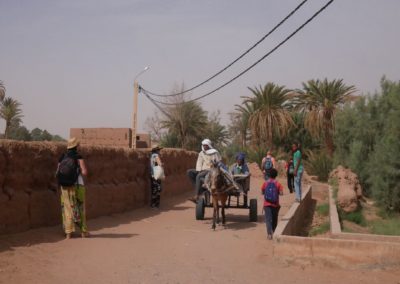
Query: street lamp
pixel 135 107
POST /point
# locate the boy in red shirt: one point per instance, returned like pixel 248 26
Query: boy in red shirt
pixel 271 189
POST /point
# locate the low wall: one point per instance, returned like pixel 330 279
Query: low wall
pixel 118 181
pixel 293 222
pixel 336 229
pixel 341 253
pixel 339 249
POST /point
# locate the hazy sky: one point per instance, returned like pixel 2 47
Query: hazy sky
pixel 72 63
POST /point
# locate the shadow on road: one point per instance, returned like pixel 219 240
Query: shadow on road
pixel 55 234
pixel 239 222
pixel 112 236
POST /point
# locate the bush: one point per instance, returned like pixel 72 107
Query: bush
pixel 355 217
pixel 319 164
pixel 386 227
pixel 366 140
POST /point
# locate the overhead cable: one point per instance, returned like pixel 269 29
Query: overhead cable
pixel 237 59
pixel 251 66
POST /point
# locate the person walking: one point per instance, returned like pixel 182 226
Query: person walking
pixel 298 170
pixel 70 171
pixel 268 163
pixel 290 175
pixel 271 189
pixel 155 184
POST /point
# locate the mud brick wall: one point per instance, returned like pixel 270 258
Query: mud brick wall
pixel 112 137
pixel 118 181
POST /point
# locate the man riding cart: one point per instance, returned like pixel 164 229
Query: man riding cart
pixel 197 176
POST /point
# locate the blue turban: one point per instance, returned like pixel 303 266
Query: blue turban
pixel 240 157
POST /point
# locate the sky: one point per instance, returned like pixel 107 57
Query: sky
pixel 72 63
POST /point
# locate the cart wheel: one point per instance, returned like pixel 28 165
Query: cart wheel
pixel 253 210
pixel 200 209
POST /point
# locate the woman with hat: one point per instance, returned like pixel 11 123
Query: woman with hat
pixel 155 184
pixel 71 167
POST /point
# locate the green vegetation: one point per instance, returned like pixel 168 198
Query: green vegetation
pixel 333 126
pixel 11 112
pixel 386 227
pixel 323 209
pixel 323 228
pixel 366 141
pixel 319 164
pixel 355 217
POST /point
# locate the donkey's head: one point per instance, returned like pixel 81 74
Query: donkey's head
pixel 216 178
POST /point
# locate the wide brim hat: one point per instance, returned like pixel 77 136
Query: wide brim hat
pixel 72 143
pixel 156 147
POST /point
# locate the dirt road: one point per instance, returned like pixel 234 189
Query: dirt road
pixel 166 246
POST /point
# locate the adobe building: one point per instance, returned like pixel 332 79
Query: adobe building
pixel 110 137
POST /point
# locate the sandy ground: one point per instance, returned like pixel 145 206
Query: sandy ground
pixel 166 246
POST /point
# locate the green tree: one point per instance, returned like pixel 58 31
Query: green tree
pixel 241 119
pixel 215 131
pixel 36 134
pixel 320 101
pixel 20 133
pixel 2 91
pixel 270 114
pixel 188 121
pixel 10 111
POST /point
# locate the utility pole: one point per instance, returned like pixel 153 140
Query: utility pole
pixel 134 117
pixel 135 107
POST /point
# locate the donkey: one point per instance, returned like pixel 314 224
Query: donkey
pixel 215 182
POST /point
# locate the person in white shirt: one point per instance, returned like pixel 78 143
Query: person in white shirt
pixel 204 160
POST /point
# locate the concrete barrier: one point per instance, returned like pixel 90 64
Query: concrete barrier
pixel 339 249
pixel 293 221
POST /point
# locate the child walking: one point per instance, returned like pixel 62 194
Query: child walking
pixel 271 189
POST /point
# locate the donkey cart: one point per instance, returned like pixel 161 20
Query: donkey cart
pixel 236 199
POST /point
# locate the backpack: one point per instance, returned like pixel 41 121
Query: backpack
pixel 68 171
pixel 271 192
pixel 291 168
pixel 268 164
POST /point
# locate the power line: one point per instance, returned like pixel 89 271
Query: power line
pixel 258 61
pixel 237 59
pixel 157 106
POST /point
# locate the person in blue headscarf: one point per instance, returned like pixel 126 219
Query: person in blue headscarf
pixel 240 167
pixel 240 172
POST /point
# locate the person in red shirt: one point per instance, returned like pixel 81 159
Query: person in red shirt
pixel 271 189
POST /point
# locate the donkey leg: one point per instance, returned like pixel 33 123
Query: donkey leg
pixel 223 215
pixel 223 201
pixel 217 213
pixel 214 214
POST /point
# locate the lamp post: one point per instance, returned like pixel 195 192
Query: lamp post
pixel 135 107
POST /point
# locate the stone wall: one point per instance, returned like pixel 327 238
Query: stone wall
pixel 118 181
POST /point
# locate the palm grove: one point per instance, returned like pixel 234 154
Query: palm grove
pixel 332 124
pixel 11 113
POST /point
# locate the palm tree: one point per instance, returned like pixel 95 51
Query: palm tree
pixel 2 91
pixel 270 114
pixel 215 131
pixel 11 112
pixel 244 111
pixel 187 121
pixel 320 101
